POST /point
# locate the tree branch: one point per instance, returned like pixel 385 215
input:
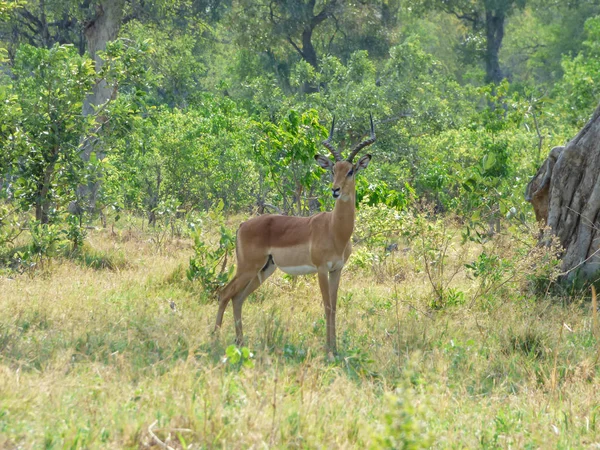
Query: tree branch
pixel 28 25
pixel 31 18
pixel 473 18
pixel 272 14
pixel 326 12
pixel 337 28
pixel 298 49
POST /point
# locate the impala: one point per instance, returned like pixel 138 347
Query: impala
pixel 300 245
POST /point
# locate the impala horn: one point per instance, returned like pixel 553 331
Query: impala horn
pixel 364 143
pixel 327 143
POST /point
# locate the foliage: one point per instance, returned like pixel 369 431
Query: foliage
pixel 239 357
pixel 579 85
pixel 10 228
pixel 209 265
pixel 49 87
pixel 285 157
pixel 434 245
pixel 197 156
pixel 401 428
pixel 174 72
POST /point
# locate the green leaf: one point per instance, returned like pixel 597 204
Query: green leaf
pixel 488 161
pixel 233 354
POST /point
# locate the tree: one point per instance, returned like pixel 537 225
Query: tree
pixel 293 22
pixel 580 86
pixel 90 25
pixel 102 28
pixel 483 16
pixel 540 37
pixel 285 155
pixel 87 24
pixel 565 194
pixel 44 23
pixel 50 86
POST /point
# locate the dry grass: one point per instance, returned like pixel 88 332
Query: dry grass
pixel 91 356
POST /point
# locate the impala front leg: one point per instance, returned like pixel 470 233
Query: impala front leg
pixel 334 283
pixel 237 316
pixel 324 285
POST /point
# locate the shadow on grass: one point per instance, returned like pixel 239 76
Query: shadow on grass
pixel 99 260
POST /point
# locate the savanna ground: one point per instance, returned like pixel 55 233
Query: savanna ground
pixel 96 349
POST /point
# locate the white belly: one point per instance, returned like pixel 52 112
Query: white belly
pixel 335 265
pixel 298 270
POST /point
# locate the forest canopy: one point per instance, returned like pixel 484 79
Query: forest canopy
pixel 169 108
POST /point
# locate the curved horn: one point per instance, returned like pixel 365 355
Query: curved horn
pixel 364 143
pixel 327 143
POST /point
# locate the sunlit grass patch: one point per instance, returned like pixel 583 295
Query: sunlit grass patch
pixel 96 259
pixel 93 358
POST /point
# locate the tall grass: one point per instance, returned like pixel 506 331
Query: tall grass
pixel 122 355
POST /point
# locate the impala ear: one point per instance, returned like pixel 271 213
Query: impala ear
pixel 362 163
pixel 324 162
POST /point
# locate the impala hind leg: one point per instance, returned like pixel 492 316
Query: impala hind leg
pixel 235 286
pixel 238 300
pixel 243 284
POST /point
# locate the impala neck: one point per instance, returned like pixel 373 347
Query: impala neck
pixel 343 218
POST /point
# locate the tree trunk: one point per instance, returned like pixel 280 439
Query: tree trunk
pixel 308 49
pixel 308 52
pixel 102 29
pixel 494 28
pixel 310 56
pixel 42 204
pixel 98 32
pixel 565 194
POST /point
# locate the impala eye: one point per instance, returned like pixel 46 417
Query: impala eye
pixel 350 173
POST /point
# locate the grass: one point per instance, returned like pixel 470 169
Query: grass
pixel 98 348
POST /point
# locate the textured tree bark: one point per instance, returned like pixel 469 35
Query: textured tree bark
pixel 310 56
pixel 565 194
pixel 102 29
pixel 494 27
pixel 311 21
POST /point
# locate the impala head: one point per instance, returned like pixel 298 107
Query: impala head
pixel 344 170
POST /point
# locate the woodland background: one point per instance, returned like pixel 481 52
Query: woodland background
pixel 137 135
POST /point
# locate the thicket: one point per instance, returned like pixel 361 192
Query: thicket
pixel 219 108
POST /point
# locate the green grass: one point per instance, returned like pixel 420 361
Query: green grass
pixel 92 354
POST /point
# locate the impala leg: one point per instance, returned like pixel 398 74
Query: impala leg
pixel 242 285
pixel 324 285
pixel 238 284
pixel 237 317
pixel 238 300
pixel 334 283
pixel 222 305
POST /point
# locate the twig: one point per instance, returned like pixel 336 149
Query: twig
pixel 397 324
pixel 160 443
pixel 375 233
pixel 553 377
pixel 411 305
pixel 175 430
pixel 594 312
pixel 580 264
pixel 274 404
